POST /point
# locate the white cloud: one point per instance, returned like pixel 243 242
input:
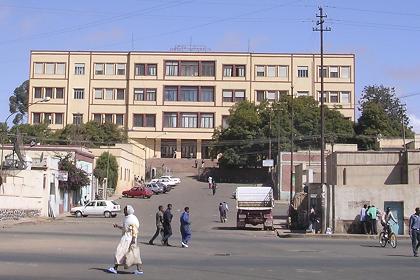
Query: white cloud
pixel 415 122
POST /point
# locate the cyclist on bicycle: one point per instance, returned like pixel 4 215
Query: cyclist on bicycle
pixel 385 220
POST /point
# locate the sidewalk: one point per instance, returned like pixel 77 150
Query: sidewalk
pixel 25 221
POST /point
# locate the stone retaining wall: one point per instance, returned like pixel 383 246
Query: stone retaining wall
pixel 16 214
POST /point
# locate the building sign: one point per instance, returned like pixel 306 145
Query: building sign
pixel 268 163
pixel 62 175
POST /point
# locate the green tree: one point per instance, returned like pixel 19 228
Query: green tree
pixel 18 101
pixel 107 164
pixel 38 132
pixel 77 177
pixel 390 113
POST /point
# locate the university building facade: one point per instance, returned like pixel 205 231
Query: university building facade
pixel 171 102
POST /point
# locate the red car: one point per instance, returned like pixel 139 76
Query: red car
pixel 139 191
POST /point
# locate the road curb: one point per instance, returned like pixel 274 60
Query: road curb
pixel 333 236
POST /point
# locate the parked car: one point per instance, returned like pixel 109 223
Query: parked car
pixel 138 191
pixel 166 188
pixel 156 188
pixel 174 179
pixel 167 182
pixel 107 208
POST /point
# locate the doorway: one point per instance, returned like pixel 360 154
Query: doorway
pixel 397 209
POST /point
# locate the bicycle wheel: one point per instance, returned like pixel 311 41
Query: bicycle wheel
pixel 393 240
pixel 382 239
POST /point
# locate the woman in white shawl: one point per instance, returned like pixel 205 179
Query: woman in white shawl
pixel 128 253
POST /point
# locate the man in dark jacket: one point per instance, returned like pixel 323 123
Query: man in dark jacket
pixel 167 228
pixel 159 224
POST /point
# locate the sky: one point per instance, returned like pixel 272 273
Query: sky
pixel 384 35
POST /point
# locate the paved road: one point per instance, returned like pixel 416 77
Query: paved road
pixel 83 248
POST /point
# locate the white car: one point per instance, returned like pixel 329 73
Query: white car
pixel 167 182
pixel 106 208
pixel 175 179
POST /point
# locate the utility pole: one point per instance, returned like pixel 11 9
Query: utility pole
pixel 291 147
pixel 321 29
pixel 269 139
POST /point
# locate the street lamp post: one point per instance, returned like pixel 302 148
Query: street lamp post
pixel 46 99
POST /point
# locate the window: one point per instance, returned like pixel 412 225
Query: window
pixel 171 68
pixel 227 96
pixel 151 70
pixel 36 118
pixel 99 93
pixel 325 96
pixel 227 70
pixel 188 120
pixel 119 119
pixel 77 119
pixel 109 94
pixel 78 93
pixel 61 68
pixel 137 120
pixel 59 93
pixel 239 70
pixel 271 95
pixel 188 94
pixel 38 68
pixel 225 121
pixel 207 94
pixel 207 120
pixel 260 95
pixel 37 92
pixel 170 119
pixel 302 93
pixel 283 71
pixel 138 94
pixel 334 97
pixel 189 68
pixel 334 72
pixel 260 71
pixel 271 71
pixel 303 71
pixel 120 94
pixel 171 93
pixel 97 118
pixel 325 72
pixel 345 97
pixel 99 69
pixel 345 72
pixel 120 69
pixel 49 68
pixel 109 69
pixel 140 69
pixel 59 118
pixel 150 120
pixel 48 92
pixel 151 94
pixel 48 118
pixel 207 69
pixel 239 95
pixel 79 69
pixel 108 118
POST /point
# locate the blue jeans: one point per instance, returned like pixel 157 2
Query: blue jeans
pixel 415 240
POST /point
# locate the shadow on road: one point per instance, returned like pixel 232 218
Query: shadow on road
pixel 403 256
pixel 106 270
pixel 235 228
pixel 371 246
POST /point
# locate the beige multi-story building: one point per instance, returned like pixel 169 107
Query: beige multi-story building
pixel 171 102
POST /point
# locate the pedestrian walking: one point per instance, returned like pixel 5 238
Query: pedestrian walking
pixel 226 207
pixel 373 217
pixel 222 213
pixel 210 180
pixel 202 163
pixel 159 224
pixel 363 217
pixel 128 253
pixel 185 227
pixel 167 227
pixel 312 220
pixel 213 187
pixel 414 226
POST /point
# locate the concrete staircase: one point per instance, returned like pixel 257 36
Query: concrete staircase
pixel 178 165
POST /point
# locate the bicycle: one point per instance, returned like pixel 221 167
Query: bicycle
pixel 385 238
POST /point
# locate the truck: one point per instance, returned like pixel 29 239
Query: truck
pixel 254 206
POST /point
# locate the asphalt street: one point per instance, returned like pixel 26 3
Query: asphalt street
pixel 71 248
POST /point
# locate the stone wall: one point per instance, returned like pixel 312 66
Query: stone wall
pixel 16 214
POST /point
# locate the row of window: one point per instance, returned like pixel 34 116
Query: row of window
pixel 191 69
pixel 186 93
pixel 188 120
pixel 48 118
